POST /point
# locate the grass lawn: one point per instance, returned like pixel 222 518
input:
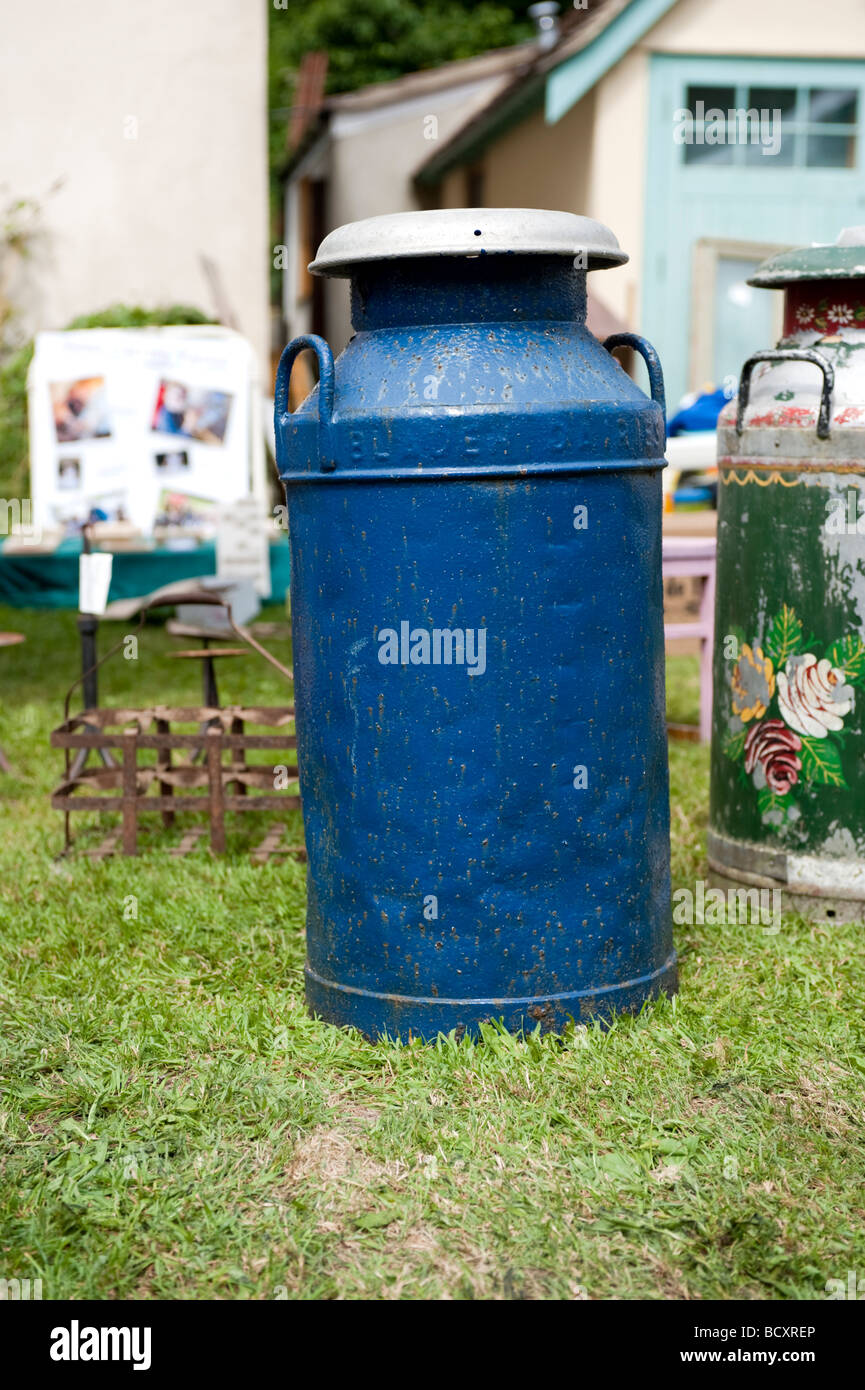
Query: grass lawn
pixel 172 1125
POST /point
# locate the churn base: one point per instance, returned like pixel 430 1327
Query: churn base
pixel 814 907
pixel 398 1016
pixel 818 888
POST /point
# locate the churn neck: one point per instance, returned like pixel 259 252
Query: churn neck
pixel 824 285
pixel 829 307
pixel 468 265
pixel 482 289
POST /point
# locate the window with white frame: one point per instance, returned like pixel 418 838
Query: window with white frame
pixel 803 127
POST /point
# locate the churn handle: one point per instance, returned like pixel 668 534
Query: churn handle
pixel 789 355
pixel 651 359
pixel 325 389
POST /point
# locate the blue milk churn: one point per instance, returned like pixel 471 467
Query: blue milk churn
pixel 474 502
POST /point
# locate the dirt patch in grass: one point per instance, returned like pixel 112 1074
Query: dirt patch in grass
pixel 816 1104
pixel 333 1164
pixel 444 1262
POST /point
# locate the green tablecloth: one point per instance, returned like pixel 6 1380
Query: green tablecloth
pixel 51 581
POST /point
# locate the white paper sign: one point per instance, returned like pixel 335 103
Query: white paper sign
pixel 149 425
pixel 94 581
pixel 242 544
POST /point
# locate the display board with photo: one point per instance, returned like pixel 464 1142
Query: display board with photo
pixel 80 409
pixel 119 416
pixel 179 509
pixel 195 413
pixel 174 462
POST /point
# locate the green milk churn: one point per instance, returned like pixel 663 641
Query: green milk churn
pixel 787 805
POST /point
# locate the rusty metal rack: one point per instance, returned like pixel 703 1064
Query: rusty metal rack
pixel 225 785
pixel 205 780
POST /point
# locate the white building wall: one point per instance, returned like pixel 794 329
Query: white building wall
pixel 762 29
pixel 153 119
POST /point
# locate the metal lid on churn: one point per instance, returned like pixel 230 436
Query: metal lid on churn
pixel 843 259
pixel 467 232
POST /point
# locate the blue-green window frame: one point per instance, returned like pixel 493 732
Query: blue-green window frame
pixel 800 125
pixel 669 179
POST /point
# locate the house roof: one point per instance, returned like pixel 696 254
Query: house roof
pixel 590 42
pixel 523 94
pixel 497 63
pixel 574 73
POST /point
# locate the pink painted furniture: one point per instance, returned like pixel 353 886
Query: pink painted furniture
pixel 9 639
pixel 695 555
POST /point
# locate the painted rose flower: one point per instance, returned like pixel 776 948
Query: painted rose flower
pixel 753 684
pixel 770 754
pixel 813 696
pixel 802 740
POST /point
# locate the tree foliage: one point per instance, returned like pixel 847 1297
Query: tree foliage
pixel 378 40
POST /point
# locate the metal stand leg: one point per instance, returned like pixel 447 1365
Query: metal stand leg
pixel 210 697
pixel 208 679
pixel 88 626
